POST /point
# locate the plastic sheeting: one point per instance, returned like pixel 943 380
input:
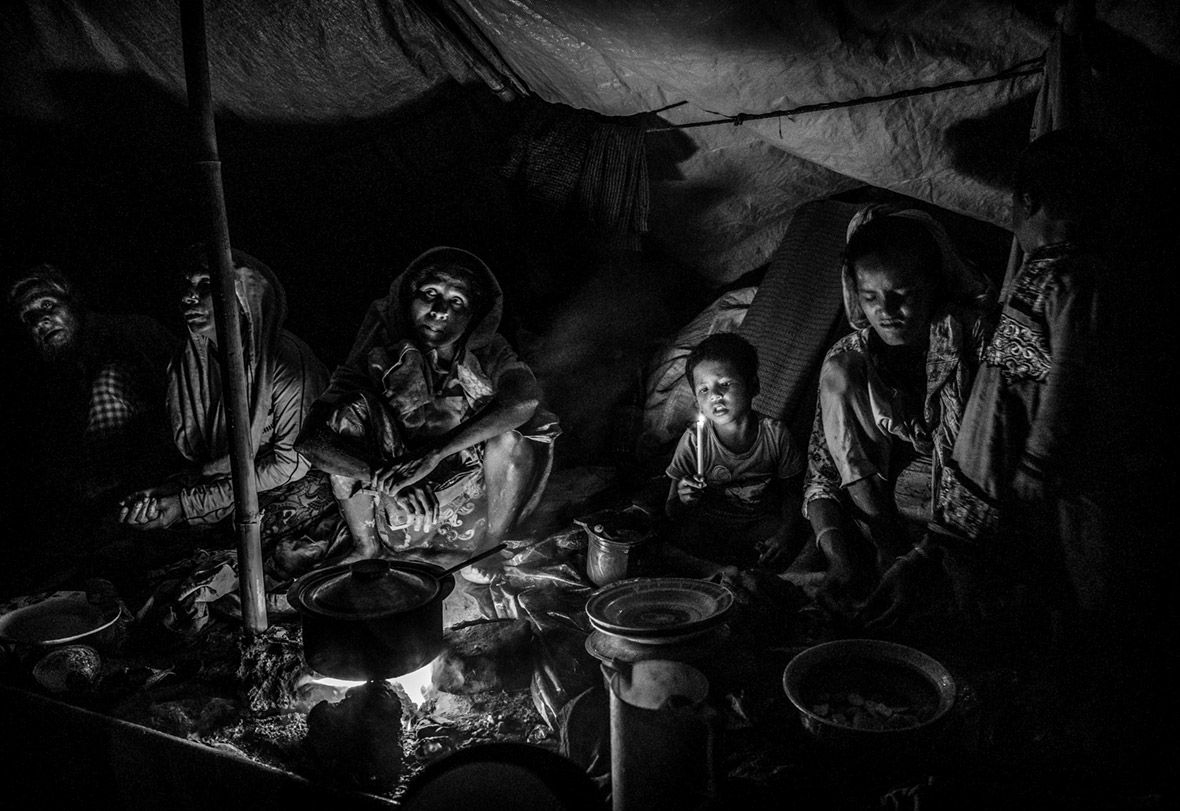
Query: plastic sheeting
pixel 279 61
pixel 718 57
pixel 723 203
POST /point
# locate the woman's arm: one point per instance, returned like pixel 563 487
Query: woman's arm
pixel 873 507
pixel 821 502
pixel 329 451
pixel 280 463
pixel 515 401
pixel 832 538
pixel 1070 310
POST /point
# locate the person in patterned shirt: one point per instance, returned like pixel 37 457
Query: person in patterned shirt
pixel 1027 438
pixel 1035 444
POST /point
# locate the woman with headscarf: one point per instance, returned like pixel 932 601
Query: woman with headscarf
pixel 432 430
pixel 892 391
pixel 283 378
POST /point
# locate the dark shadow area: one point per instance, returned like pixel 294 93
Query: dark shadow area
pixel 982 148
pixel 1127 100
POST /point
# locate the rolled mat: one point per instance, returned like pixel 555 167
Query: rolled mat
pixel 798 311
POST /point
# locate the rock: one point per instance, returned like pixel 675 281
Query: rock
pixel 218 713
pixel 484 656
pixel 73 667
pixel 171 717
pixel 360 737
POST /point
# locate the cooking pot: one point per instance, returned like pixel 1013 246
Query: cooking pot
pixel 373 619
pixel 619 544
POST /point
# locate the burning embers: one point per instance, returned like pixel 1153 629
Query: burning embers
pixel 364 737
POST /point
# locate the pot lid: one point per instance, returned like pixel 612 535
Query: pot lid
pixel 366 589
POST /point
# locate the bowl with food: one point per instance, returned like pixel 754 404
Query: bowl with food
pixel 866 691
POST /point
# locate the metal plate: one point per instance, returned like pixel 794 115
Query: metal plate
pixel 644 608
pixel 607 648
pixel 61 617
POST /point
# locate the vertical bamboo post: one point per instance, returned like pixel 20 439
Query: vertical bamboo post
pixel 225 313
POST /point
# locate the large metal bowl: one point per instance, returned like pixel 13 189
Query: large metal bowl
pixel 890 676
pixel 55 619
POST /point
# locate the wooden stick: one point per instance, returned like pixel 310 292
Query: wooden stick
pixel 226 316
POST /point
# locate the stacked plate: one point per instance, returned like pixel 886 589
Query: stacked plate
pixel 659 610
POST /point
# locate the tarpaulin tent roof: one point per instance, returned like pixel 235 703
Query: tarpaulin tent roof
pixel 332 60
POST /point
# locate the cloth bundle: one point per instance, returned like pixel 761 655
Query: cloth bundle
pixel 571 158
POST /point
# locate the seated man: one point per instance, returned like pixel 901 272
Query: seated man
pixel 93 413
pixel 284 377
pixel 432 429
pixel 103 382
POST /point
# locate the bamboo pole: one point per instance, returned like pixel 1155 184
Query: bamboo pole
pixel 225 314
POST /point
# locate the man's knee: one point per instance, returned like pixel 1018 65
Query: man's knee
pixel 508 448
pixel 342 486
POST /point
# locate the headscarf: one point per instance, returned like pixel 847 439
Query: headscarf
pixel 42 280
pixel 195 403
pixel 386 323
pixel 961 284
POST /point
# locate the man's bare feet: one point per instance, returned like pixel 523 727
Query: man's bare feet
pixel 350 553
pixel 485 571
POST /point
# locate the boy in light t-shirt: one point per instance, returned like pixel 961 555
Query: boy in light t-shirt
pixel 742 506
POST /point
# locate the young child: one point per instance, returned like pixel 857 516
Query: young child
pixel 736 474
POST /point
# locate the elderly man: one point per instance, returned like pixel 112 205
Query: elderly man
pixel 103 378
pixel 93 412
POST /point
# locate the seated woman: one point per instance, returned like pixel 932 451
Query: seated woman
pixel 284 377
pixel 432 430
pixel 891 391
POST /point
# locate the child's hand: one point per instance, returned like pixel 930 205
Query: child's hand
pixel 689 489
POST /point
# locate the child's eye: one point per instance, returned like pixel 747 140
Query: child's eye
pixel 458 303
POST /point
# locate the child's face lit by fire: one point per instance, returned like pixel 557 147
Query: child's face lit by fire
pixel 722 394
pixel 440 311
pixel 896 299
